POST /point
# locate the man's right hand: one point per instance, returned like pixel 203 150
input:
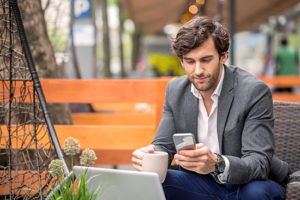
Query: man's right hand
pixel 137 156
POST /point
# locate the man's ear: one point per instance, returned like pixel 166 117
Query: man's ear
pixel 224 57
pixel 181 60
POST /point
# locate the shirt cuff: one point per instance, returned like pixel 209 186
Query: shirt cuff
pixel 223 176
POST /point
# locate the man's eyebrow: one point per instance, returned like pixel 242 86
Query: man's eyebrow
pixel 205 57
pixel 187 58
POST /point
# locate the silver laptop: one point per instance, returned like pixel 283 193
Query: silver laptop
pixel 122 184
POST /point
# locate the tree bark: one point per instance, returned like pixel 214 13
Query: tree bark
pixel 136 42
pixel 73 48
pixel 42 53
pixel 106 40
pixel 121 49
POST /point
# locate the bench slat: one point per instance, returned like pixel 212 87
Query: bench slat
pixel 292 97
pixel 119 107
pixel 99 90
pixel 113 157
pixel 114 119
pixel 89 136
pixel 281 81
pixel 112 144
pixel 107 137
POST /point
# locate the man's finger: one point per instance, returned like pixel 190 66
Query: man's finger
pixel 151 148
pixel 190 153
pixel 186 158
pixel 200 145
pixel 136 161
pixel 137 154
pixel 137 167
pixel 187 164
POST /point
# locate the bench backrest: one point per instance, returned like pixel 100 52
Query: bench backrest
pixel 107 91
pixel 150 90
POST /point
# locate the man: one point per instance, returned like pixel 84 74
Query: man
pixel 230 114
pixel 287 60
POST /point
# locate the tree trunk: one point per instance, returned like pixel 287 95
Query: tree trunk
pixel 42 53
pixel 106 42
pixel 73 48
pixel 121 49
pixel 136 42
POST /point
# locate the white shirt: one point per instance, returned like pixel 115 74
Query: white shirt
pixel 207 124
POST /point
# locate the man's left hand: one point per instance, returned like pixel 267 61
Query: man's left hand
pixel 200 160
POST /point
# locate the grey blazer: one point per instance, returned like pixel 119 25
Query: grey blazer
pixel 244 124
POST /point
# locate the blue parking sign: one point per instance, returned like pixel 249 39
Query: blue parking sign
pixel 82 9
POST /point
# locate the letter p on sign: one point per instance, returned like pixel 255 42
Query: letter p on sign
pixel 80 7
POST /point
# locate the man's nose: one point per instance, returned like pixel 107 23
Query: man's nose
pixel 198 68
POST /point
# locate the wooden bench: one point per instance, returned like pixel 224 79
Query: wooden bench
pixel 125 91
pixel 115 136
pixel 122 116
pixel 280 82
pixel 109 129
pixel 21 179
pixel 113 143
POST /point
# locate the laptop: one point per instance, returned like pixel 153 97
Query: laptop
pixel 122 184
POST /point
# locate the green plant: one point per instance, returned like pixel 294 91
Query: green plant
pixel 69 188
pixel 69 191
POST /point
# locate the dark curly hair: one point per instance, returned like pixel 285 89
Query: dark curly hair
pixel 193 33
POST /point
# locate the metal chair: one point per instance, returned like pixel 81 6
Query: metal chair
pixel 287 141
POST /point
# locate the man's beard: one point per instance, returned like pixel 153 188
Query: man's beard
pixel 210 83
pixel 212 80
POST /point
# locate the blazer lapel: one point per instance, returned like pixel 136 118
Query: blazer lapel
pixel 191 105
pixel 224 103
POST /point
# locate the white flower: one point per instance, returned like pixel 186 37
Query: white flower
pixel 88 157
pixel 72 146
pixel 56 168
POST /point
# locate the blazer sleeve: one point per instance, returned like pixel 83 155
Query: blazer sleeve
pixel 163 140
pixel 257 139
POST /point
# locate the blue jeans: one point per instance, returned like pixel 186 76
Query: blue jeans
pixel 181 185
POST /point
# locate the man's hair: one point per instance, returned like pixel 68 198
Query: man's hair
pixel 193 33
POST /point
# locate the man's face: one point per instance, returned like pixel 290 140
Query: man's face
pixel 204 66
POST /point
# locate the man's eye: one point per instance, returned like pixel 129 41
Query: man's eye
pixel 189 61
pixel 206 60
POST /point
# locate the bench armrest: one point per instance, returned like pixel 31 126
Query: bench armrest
pixel 293 191
pixel 293 187
pixel 294 177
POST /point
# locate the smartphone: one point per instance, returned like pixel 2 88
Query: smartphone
pixel 184 141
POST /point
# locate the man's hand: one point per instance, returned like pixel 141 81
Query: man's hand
pixel 200 160
pixel 137 156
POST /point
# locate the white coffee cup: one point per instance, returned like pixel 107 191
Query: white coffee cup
pixel 156 162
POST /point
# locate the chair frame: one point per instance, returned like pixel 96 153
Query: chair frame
pixel 287 137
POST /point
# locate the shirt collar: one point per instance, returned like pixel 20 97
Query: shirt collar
pixel 216 92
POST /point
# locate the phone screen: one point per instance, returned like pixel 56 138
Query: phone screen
pixel 184 141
